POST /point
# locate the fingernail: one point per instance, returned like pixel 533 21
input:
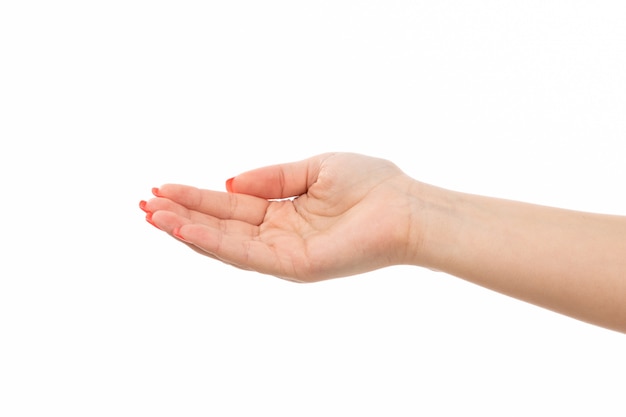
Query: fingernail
pixel 229 184
pixel 155 191
pixel 176 232
pixel 142 205
pixel 149 220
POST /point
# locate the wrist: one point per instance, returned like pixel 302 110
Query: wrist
pixel 434 222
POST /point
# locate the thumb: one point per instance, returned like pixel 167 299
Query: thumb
pixel 278 181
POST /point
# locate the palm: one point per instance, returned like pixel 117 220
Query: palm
pixel 343 214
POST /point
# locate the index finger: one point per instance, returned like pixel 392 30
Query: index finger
pixel 227 206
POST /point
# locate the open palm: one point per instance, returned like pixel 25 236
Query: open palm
pixel 328 216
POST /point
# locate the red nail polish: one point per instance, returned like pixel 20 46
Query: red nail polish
pixel 149 220
pixel 229 184
pixel 142 205
pixel 176 232
pixel 155 191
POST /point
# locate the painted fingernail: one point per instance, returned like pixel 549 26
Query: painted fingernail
pixel 229 184
pixel 142 205
pixel 176 232
pixel 149 220
pixel 155 191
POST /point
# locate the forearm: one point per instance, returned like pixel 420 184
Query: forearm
pixel 567 261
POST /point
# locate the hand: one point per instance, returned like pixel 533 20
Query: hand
pixel 342 214
pixel 329 216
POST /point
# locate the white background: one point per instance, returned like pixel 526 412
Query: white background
pixel 103 315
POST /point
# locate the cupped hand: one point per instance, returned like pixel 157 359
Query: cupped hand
pixel 328 216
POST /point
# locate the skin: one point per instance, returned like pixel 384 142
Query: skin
pixel 341 214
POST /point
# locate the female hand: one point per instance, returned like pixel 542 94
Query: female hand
pixel 328 216
pixel 341 214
